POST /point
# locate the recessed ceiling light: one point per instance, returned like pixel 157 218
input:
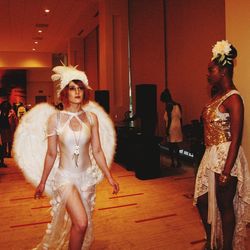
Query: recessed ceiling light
pixel 40 31
pixel 47 11
pixel 36 42
pixel 34 49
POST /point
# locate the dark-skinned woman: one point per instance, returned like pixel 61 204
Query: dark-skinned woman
pixel 222 190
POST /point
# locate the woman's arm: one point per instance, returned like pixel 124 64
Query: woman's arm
pixel 99 155
pixel 234 105
pixel 49 157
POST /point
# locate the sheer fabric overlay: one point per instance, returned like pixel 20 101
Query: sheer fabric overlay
pixel 57 232
pixel 213 161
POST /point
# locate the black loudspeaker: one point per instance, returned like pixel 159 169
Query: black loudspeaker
pixel 147 158
pixel 139 153
pixel 146 107
pixel 102 97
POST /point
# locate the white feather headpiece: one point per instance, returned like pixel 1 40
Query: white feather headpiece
pixel 65 74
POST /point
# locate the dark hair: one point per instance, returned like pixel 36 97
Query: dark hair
pixel 228 58
pixel 64 93
pixel 169 104
pixel 5 108
pixel 166 96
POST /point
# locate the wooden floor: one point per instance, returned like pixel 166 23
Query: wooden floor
pixel 146 215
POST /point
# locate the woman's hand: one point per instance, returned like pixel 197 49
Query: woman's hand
pixel 224 179
pixel 115 185
pixel 39 191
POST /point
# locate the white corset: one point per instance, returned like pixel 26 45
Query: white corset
pixel 68 139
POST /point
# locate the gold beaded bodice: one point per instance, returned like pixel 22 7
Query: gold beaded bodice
pixel 216 123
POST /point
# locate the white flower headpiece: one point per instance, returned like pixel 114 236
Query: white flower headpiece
pixel 65 74
pixel 221 50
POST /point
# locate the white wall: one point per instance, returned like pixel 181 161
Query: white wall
pixel 15 60
pixel 39 84
pixel 193 27
pixel 238 33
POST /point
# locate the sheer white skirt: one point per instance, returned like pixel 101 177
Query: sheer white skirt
pixel 57 233
pixel 213 162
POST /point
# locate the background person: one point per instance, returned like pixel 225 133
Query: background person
pixel 222 190
pixel 5 128
pixel 172 117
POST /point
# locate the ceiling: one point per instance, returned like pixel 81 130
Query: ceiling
pixel 20 21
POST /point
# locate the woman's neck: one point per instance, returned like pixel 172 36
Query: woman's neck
pixel 74 108
pixel 226 86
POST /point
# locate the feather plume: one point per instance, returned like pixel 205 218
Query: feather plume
pixel 65 74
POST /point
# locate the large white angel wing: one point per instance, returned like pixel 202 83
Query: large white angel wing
pixel 107 137
pixel 30 144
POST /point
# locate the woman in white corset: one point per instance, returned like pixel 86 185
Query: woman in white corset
pixel 222 190
pixel 72 134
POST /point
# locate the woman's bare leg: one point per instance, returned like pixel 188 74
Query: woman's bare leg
pixel 174 154
pixel 202 205
pixel 79 219
pixel 225 196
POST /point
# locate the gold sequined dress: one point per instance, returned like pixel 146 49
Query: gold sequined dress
pixel 217 140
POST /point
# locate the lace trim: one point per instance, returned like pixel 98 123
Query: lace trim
pixel 213 160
